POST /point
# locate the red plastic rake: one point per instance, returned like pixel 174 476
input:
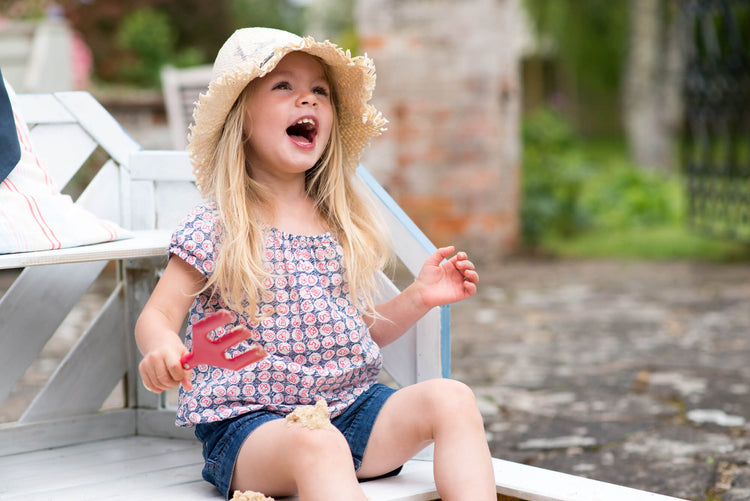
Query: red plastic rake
pixel 213 351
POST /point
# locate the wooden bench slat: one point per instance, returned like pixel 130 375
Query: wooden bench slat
pixel 98 123
pixel 43 108
pixel 530 483
pixel 18 439
pixel 31 310
pixel 52 144
pixel 91 471
pixel 92 369
pixel 102 195
pixel 146 243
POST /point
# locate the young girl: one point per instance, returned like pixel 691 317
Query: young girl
pixel 288 244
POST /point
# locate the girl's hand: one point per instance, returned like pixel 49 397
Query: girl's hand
pixel 161 369
pixel 445 280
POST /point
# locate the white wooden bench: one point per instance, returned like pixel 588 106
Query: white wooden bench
pixel 66 445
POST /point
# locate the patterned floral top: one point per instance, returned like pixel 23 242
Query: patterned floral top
pixel 318 344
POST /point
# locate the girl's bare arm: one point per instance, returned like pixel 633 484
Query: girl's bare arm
pixel 158 326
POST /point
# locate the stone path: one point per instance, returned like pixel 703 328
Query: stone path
pixel 631 373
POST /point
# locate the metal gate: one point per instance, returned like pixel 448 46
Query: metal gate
pixel 717 107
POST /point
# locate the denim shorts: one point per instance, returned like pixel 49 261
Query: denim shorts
pixel 222 440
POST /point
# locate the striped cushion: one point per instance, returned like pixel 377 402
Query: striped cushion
pixel 34 215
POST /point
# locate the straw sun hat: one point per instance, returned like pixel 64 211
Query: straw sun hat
pixel 253 52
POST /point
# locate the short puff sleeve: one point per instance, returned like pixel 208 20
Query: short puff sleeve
pixel 194 240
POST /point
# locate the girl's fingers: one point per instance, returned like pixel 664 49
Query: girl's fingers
pixel 164 376
pixel 437 257
pixel 471 276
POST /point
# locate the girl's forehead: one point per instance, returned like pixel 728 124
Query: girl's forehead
pixel 300 61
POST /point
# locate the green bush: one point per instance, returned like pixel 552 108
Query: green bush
pixel 570 187
pixel 149 40
pixel 554 173
pixel 621 196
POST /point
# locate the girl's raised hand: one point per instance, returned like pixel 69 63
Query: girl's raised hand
pixel 445 279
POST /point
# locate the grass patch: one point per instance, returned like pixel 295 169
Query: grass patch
pixel 652 243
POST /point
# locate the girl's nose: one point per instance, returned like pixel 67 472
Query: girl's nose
pixel 307 99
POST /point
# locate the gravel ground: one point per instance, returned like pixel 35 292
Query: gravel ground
pixel 632 373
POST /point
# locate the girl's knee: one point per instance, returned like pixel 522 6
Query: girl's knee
pixel 452 403
pixel 450 394
pixel 309 447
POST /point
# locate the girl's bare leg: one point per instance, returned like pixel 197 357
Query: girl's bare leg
pixel 279 459
pixel 444 412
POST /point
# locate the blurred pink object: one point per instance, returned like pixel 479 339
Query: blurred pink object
pixel 83 62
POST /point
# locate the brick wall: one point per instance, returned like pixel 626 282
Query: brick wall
pixel 448 82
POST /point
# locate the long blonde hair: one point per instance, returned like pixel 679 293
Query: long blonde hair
pixel 338 195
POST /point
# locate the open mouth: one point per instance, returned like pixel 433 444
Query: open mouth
pixel 303 131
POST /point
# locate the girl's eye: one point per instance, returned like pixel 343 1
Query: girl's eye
pixel 282 86
pixel 322 91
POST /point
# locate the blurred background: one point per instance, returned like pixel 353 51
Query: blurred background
pixel 593 156
pixel 566 128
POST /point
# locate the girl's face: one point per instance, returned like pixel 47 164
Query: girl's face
pixel 288 118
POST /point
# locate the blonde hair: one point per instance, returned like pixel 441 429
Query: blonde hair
pixel 241 202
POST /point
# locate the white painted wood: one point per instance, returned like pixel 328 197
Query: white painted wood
pixel 537 484
pixel 102 195
pixel 428 350
pixel 398 357
pixel 174 200
pixel 161 165
pixel 52 142
pixel 160 423
pixel 43 108
pixel 103 469
pixel 91 370
pixel 17 440
pixel 31 310
pixel 162 189
pixel 140 205
pixel 102 127
pixel 151 243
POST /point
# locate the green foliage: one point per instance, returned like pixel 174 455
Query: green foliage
pixel 149 39
pixel 588 41
pixel 585 200
pixel 659 242
pixel 590 37
pixel 620 195
pixel 281 14
pixel 554 173
pixel 130 40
